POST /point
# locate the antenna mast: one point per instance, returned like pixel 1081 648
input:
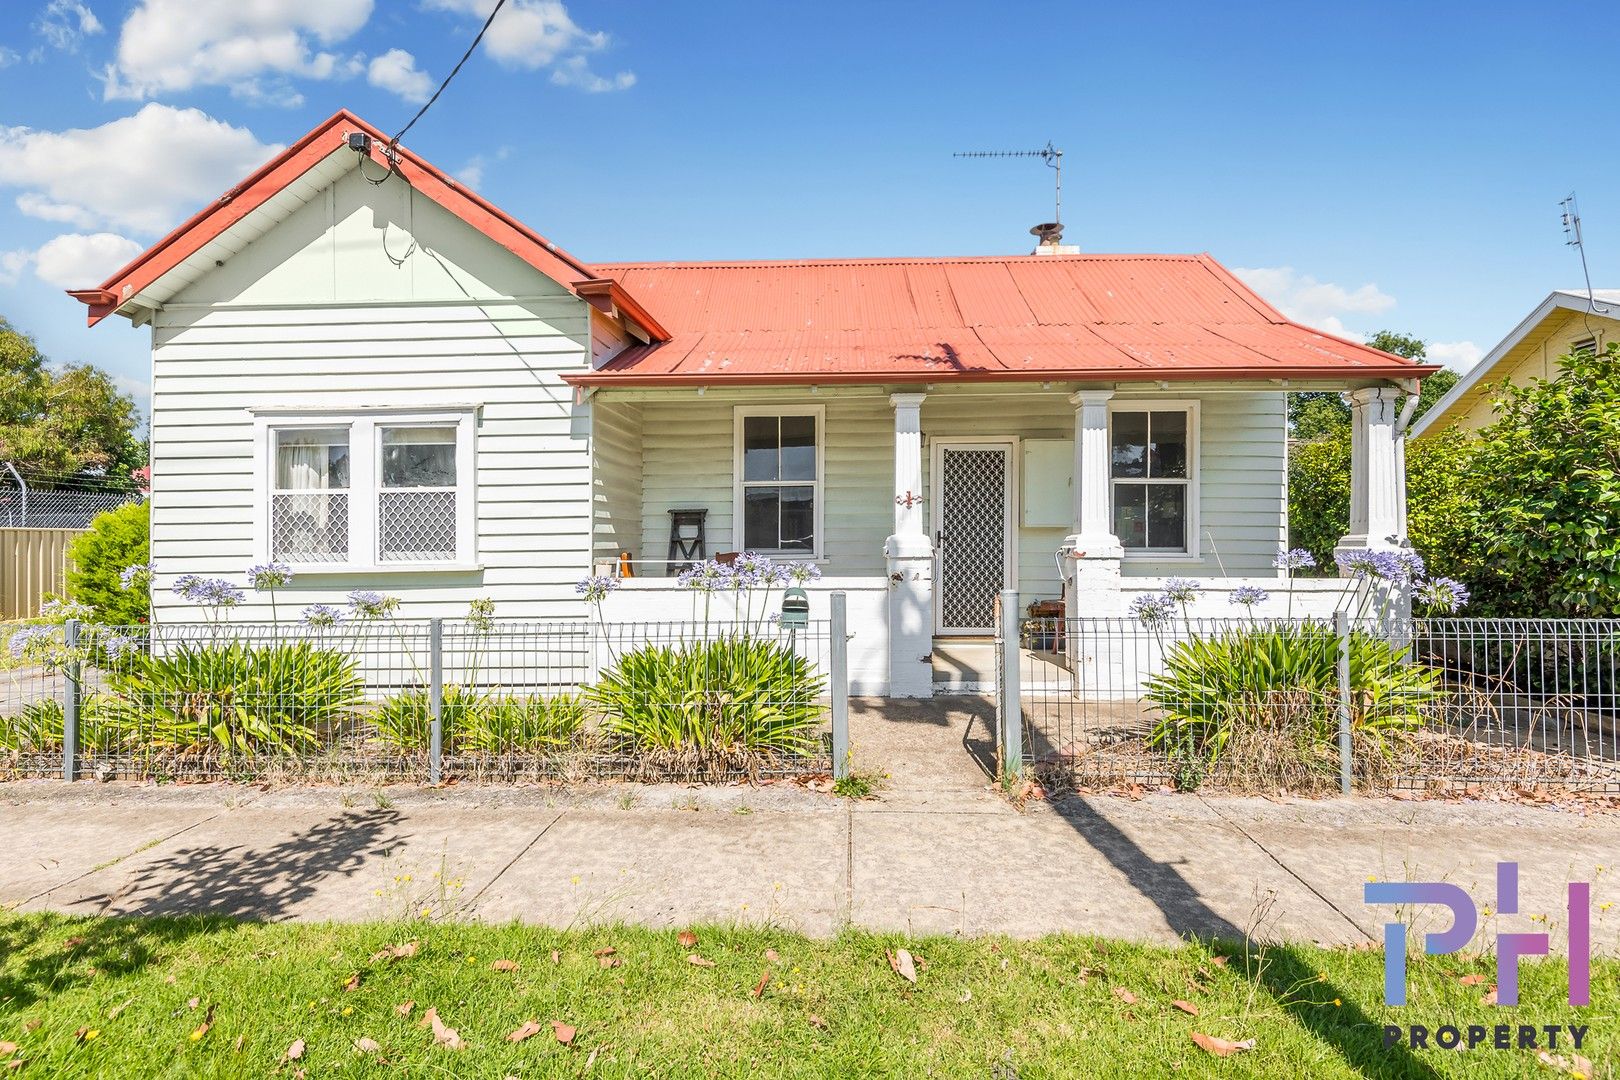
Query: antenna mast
pixel 1048 153
pixel 1572 230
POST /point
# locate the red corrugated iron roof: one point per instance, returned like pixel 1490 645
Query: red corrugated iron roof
pixel 1042 317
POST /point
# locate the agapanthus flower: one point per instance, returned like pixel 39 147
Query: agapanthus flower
pixel 1153 608
pixel 31 641
pixel 269 576
pixel 321 616
pixel 1442 595
pixel 707 576
pixel 369 604
pixel 131 576
pixel 1181 590
pixel 185 586
pixel 1411 562
pixel 119 646
pixel 1370 563
pixel 801 572
pixel 481 614
pixel 1248 596
pixel 595 589
pixel 209 592
pixel 59 610
pixel 1294 559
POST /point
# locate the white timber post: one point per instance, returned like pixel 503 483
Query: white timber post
pixel 1094 549
pixel 910 556
pixel 1378 484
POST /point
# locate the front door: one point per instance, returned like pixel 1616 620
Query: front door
pixel 973 508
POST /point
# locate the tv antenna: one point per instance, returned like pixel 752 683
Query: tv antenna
pixel 1572 232
pixel 1054 161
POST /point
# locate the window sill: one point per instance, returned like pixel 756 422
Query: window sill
pixel 1166 557
pixel 340 569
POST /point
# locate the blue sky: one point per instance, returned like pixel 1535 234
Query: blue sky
pixel 1365 165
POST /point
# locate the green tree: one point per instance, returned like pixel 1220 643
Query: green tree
pixel 1548 476
pixel 1317 414
pixel 64 421
pixel 116 540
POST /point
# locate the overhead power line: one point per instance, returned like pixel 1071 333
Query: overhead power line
pixel 453 71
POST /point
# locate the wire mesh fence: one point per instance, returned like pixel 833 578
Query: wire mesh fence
pixel 439 700
pixel 1442 706
pixel 58 508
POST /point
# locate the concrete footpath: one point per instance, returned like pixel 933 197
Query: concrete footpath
pixel 938 851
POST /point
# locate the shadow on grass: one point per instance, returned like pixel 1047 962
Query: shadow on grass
pixel 1295 985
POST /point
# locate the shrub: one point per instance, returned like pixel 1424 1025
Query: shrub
pixel 116 541
pixel 1273 690
pixel 738 693
pixel 235 697
pixel 39 728
pixel 479 721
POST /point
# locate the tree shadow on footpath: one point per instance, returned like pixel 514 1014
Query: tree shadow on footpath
pixel 211 887
pixel 1292 982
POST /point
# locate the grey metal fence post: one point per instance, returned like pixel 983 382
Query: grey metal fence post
pixel 1341 627
pixel 435 699
pixel 70 703
pixel 1012 707
pixel 838 673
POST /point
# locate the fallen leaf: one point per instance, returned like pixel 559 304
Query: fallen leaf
pixel 16 1063
pixel 404 1008
pixel 770 954
pixel 202 1028
pixel 965 996
pixel 112 1014
pixel 237 1045
pixel 1125 995
pixel 7 1049
pixel 556 957
pixel 169 979
pixel 816 1021
pixel 447 1037
pixel 1490 997
pixel 395 952
pixel 32 1023
pixel 504 965
pixel 1186 1006
pixel 192 1003
pixel 1218 961
pixel 607 950
pixel 73 943
pixel 759 987
pixel 524 1031
pixel 1221 1047
pixel 564 1032
pixel 366 1046
pixel 697 961
pixel 352 983
pixel 609 961
pixel 1471 980
pixel 687 939
pixel 900 960
pixel 294 1052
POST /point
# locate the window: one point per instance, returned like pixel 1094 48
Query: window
pixel 778 487
pixel 1152 464
pixel 387 490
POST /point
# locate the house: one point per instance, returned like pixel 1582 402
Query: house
pixel 362 369
pixel 1566 322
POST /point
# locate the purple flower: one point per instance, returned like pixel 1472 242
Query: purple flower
pixel 31 641
pixel 708 576
pixel 1371 563
pixel 130 576
pixel 1248 595
pixel 269 576
pixel 801 572
pixel 1153 608
pixel 369 604
pixel 1294 559
pixel 1181 590
pixel 209 592
pixel 119 646
pixel 321 616
pixel 1411 564
pixel 595 589
pixel 1443 595
pixel 59 610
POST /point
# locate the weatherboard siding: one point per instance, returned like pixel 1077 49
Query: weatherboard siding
pixel 367 297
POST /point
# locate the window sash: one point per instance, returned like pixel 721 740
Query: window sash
pixel 785 475
pixel 1146 480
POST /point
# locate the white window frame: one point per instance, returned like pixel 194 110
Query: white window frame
pixel 1193 552
pixel 817 486
pixel 365 453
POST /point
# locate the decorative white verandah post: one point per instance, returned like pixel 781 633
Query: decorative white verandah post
pixel 910 555
pixel 1096 551
pixel 1377 478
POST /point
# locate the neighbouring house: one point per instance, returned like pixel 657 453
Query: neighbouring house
pixel 1567 321
pixel 363 370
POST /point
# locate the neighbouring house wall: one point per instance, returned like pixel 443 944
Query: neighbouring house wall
pixel 1536 357
pixel 688 456
pixel 373 296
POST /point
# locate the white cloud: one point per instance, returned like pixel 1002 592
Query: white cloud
pixel 472 173
pixel 574 71
pixel 1320 304
pixel 142 173
pixel 533 34
pixel 251 46
pixel 76 260
pixel 64 23
pixel 12 264
pixel 1457 355
pixel 396 71
pixel 8 56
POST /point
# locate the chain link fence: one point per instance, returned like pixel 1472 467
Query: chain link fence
pixel 1439 706
pixel 429 701
pixel 57 508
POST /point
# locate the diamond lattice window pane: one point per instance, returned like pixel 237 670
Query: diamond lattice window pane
pixel 416 526
pixel 310 528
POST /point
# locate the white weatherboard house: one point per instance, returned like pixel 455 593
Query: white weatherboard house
pixel 362 369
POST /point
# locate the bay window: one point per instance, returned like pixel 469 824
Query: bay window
pixel 381 489
pixel 1153 478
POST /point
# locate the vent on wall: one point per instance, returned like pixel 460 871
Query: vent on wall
pixel 1586 345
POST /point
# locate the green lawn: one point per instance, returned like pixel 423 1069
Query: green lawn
pixel 189 997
